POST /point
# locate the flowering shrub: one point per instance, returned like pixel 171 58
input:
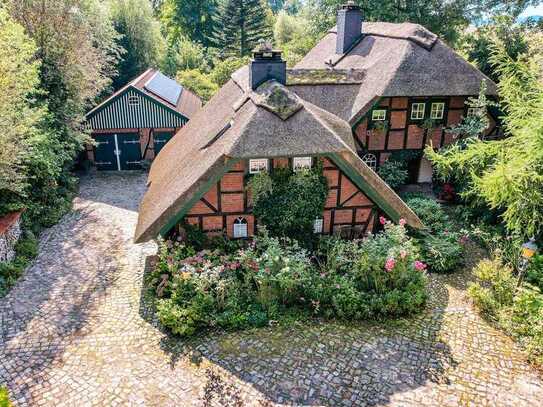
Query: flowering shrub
pixel 376 277
pixel 517 310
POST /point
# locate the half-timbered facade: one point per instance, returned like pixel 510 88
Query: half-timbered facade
pixel 363 93
pixel 135 123
pixel 348 211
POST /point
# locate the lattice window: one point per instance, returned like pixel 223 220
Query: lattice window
pixel 371 160
pixel 417 111
pixel 133 100
pixel 378 115
pixel 240 227
pixel 258 165
pixel 318 226
pixel 437 111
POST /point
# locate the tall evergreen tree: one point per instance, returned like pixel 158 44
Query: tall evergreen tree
pixel 239 26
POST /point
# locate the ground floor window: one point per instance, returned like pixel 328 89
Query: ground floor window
pixel 370 160
pixel 301 163
pixel 317 226
pixel 240 228
pixel 258 165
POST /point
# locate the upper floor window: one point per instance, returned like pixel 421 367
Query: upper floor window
pixel 133 100
pixel 301 163
pixel 317 226
pixel 417 111
pixel 378 115
pixel 371 160
pixel 258 165
pixel 240 228
pixel 437 111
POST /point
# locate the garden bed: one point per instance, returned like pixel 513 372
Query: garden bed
pixel 233 287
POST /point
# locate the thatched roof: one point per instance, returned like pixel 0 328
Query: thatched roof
pixel 238 124
pixel 187 104
pixel 397 60
pixel 324 96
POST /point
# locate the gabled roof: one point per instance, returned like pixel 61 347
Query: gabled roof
pixel 187 104
pixel 236 124
pixel 396 60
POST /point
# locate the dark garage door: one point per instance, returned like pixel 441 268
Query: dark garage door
pixel 161 138
pixel 117 151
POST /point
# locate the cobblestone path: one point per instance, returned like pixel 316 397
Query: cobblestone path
pixel 76 331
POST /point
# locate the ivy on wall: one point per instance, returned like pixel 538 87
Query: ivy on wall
pixel 287 202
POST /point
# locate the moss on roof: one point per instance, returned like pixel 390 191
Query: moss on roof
pixel 324 76
pixel 277 99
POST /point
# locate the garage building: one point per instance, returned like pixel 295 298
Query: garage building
pixel 135 122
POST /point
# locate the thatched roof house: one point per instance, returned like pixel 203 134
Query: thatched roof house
pixel 267 116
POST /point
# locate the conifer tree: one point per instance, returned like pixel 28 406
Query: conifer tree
pixel 239 26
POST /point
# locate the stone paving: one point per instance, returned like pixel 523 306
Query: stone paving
pixel 77 331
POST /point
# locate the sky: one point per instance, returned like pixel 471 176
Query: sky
pixel 533 11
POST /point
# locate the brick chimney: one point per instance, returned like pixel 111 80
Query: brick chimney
pixel 267 64
pixel 349 26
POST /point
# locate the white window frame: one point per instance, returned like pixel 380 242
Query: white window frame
pixel 240 228
pixel 472 111
pixel 437 107
pixel 318 225
pixel 301 163
pixel 416 112
pixel 133 100
pixel 370 160
pixel 257 165
pixel 379 115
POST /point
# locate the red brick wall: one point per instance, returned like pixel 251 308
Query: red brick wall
pixel 347 209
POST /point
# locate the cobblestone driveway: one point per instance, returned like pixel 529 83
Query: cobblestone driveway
pixel 75 331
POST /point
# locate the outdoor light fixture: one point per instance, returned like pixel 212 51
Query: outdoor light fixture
pixel 528 250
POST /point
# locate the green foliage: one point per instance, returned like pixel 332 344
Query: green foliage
pixel 394 173
pixel 19 118
pixel 474 126
pixel 534 274
pixel 429 212
pixel 141 38
pixel 239 25
pixel 518 312
pixel 440 244
pixel 25 251
pixel 224 68
pixel 506 175
pixel 288 203
pixel 292 34
pixel 442 252
pixel 477 45
pixel 184 54
pixel 273 277
pixel 197 82
pixel 4 397
pixel 192 19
